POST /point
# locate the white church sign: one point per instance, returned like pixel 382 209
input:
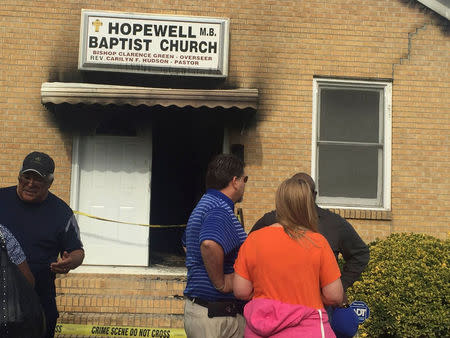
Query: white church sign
pixel 157 44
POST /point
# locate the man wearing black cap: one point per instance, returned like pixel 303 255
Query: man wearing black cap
pixel 45 226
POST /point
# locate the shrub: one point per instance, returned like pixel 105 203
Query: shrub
pixel 406 286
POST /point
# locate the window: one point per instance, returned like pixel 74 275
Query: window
pixel 352 143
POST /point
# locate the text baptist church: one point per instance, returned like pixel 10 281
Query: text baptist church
pixel 167 45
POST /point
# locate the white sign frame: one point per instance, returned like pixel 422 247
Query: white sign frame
pixel 153 44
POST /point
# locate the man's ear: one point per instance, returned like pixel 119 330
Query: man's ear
pixel 50 181
pixel 234 182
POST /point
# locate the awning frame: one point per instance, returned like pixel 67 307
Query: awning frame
pixel 88 93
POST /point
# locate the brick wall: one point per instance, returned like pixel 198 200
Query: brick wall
pixel 357 39
pixel 420 170
pixel 277 47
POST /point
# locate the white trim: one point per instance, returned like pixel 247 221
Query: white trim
pixel 75 177
pixel 349 203
pixel 437 7
pixel 314 132
pixel 345 82
pixel 387 142
pixel 387 146
pixel 131 270
pixel 334 206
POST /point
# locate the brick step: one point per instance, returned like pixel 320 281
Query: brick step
pixel 150 301
pixel 100 284
pixel 126 304
pixel 121 319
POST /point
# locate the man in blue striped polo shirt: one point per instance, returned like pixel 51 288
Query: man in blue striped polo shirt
pixel 213 238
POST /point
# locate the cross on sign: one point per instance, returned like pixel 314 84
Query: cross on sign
pixel 97 23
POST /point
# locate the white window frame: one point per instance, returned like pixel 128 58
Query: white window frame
pixel 384 174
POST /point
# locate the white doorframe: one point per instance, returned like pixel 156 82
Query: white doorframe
pixel 75 177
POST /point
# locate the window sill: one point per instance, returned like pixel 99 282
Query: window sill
pixel 364 214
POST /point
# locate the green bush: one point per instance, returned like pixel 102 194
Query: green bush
pixel 407 287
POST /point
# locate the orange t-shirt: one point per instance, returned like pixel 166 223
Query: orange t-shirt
pixel 288 270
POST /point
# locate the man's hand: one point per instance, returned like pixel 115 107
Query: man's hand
pixel 68 261
pixel 344 300
pixel 228 278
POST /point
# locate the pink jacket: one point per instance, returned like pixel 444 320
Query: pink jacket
pixel 272 318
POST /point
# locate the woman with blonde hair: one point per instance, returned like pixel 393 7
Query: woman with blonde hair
pixel 288 271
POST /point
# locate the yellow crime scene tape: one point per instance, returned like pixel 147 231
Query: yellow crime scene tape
pixel 116 331
pixel 140 224
pixel 238 215
pixel 119 331
pixel 91 330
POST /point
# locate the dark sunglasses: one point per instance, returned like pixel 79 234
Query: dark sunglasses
pixel 245 179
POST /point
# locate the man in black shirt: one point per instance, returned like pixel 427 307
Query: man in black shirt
pixel 45 227
pixel 340 234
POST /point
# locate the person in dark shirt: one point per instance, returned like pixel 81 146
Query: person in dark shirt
pixel 45 227
pixel 339 233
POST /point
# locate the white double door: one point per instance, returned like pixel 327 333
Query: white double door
pixel 114 174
